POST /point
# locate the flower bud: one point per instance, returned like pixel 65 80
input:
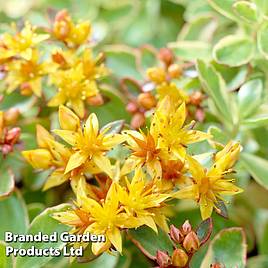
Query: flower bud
pixel 132 107
pixel 166 56
pixel 196 98
pixel 156 75
pixel 186 227
pixel 179 258
pixel 11 116
pixel 62 25
pixel 39 158
pixel 191 242
pixel 68 120
pixel 12 135
pixel 138 120
pixel 146 100
pixel 96 100
pixel 57 57
pixel 175 234
pixel 6 149
pixel 26 89
pixel 174 71
pixel 162 258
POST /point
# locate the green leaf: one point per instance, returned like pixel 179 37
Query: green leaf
pixel 34 209
pixel 255 122
pixel 246 11
pixel 262 6
pixel 5 262
pixel 7 183
pixel 228 248
pixel 47 225
pixel 258 261
pixel 204 230
pixel 14 217
pixel 191 50
pixel 215 87
pixel 114 109
pixel 233 76
pixel 234 50
pixel 250 97
pixel 261 229
pixel 105 260
pixel 152 241
pixel 257 167
pixel 201 28
pixel 224 7
pixel 122 62
pixel 262 36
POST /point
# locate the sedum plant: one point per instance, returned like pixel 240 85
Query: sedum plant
pixel 155 141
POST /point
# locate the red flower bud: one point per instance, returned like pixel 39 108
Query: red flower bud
pixel 163 258
pixel 138 120
pixel 175 234
pixel 186 227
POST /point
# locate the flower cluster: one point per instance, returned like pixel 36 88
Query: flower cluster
pixel 70 66
pixel 114 196
pixel 162 81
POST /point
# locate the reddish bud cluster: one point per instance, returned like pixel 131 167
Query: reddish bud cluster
pixel 187 243
pixel 9 136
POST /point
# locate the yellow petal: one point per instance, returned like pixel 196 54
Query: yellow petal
pixel 68 120
pixel 100 247
pixel 114 236
pixel 42 136
pixel 57 100
pixel 112 140
pixel 128 166
pixel 36 86
pixel 92 125
pixel 206 207
pixel 226 188
pixel 78 106
pixel 149 221
pixel 56 178
pixel 103 163
pixel 188 192
pixel 195 169
pixel 67 135
pixel 39 158
pixel 76 160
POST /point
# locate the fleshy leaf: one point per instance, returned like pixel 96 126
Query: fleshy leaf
pixel 233 255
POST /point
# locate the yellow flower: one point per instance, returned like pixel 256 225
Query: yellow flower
pixel 73 88
pixel 50 154
pixel 27 74
pixel 144 153
pixel 106 219
pixel 76 78
pixel 173 137
pixel 170 89
pixel 209 186
pixel 139 198
pixel 88 142
pixel 66 31
pixel 22 43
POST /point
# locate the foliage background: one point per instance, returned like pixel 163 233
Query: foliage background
pixel 191 29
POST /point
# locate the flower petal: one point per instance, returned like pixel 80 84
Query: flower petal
pixel 68 119
pixel 75 161
pixel 114 236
